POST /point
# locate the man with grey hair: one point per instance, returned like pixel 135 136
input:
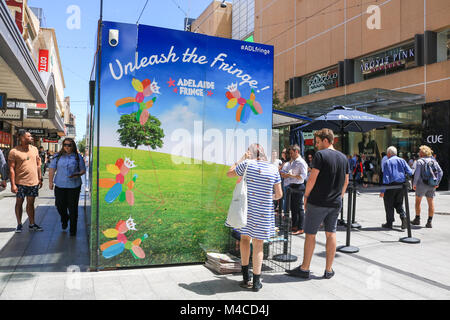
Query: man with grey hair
pixel 395 170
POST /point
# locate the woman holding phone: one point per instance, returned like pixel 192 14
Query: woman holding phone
pixel 69 167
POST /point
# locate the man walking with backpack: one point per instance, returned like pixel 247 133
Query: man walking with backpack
pixel 427 176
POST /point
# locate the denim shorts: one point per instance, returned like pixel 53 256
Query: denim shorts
pixel 27 191
pixel 315 215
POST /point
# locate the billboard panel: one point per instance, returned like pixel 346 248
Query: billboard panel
pixel 176 110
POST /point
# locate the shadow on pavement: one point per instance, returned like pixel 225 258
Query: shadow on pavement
pixel 50 250
pixel 212 287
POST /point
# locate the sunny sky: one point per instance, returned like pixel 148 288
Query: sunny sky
pixel 77 42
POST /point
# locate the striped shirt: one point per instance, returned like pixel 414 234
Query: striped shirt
pixel 261 177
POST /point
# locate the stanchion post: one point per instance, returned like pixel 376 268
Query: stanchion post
pixel 348 248
pixel 409 238
pixel 354 224
pixel 341 221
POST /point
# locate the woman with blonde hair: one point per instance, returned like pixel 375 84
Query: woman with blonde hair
pixel 421 186
pixel 263 180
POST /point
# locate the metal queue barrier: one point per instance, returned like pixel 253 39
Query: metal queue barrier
pixel 285 223
pixel 351 211
pixel 341 222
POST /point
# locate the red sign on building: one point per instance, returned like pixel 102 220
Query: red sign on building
pixel 5 138
pixel 43 61
pixel 50 141
pixel 16 8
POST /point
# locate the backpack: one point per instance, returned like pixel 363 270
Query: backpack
pixel 430 173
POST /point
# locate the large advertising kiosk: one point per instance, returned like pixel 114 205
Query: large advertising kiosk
pixel 173 111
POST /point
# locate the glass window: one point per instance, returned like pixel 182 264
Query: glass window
pixel 406 137
pixel 443 46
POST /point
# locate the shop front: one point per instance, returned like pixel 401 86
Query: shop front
pixel 421 124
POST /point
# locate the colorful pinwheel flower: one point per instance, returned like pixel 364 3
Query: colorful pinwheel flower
pixel 137 104
pixel 245 105
pixel 115 247
pixel 116 186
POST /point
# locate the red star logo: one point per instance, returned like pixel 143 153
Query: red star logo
pixel 171 82
pixel 175 90
pixel 210 93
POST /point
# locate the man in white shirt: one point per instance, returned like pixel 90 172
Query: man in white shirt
pixel 295 173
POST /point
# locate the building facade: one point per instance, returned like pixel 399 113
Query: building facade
pixel 243 19
pixel 32 80
pixel 215 20
pixel 388 57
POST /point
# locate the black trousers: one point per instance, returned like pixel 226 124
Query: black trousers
pixel 297 210
pixel 393 199
pixel 66 201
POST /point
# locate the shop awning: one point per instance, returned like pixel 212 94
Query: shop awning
pixel 19 77
pixel 368 100
pixel 282 118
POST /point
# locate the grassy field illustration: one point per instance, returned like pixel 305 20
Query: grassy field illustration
pixel 181 207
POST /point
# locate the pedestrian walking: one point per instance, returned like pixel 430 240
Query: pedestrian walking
pixel 286 159
pixel 263 180
pixel 43 157
pixel 26 179
pixel 295 174
pixel 395 172
pixel 3 170
pixel 426 166
pixel 278 163
pixel 358 170
pixel 69 166
pixel 324 192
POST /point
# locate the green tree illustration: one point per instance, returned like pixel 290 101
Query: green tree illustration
pixel 132 134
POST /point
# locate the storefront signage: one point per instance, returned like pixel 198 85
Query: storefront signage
pixel 43 61
pixel 435 139
pixel 36 131
pixel 391 60
pixel 50 141
pixel 16 8
pixel 322 81
pixel 37 113
pixel 12 114
pixel 53 136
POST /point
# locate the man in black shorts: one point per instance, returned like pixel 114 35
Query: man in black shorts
pixel 324 192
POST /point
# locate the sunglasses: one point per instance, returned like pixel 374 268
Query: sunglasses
pixel 67 145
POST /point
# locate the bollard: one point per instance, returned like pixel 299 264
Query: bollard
pixel 354 224
pixel 409 238
pixel 286 256
pixel 348 248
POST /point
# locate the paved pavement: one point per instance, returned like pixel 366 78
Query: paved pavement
pixel 52 265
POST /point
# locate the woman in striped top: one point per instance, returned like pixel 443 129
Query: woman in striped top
pixel 263 180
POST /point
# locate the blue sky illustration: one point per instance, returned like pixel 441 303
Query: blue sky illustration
pixel 174 110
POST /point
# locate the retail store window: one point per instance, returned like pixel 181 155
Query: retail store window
pixel 443 46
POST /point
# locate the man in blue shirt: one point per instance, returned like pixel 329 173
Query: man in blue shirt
pixel 395 170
